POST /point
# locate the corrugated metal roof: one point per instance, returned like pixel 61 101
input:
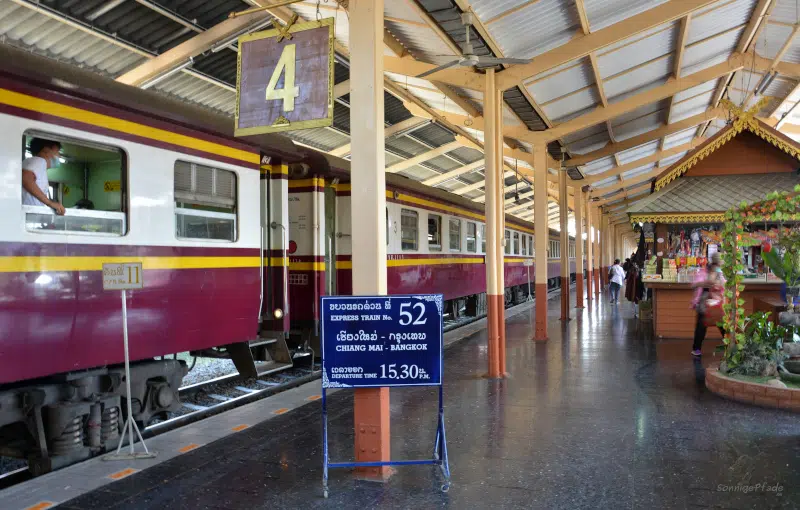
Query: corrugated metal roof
pixel 640 120
pixel 574 78
pixel 639 152
pixel 603 13
pixel 785 11
pixel 679 138
pixel 608 181
pixel 709 52
pixel 194 90
pixel 46 36
pixel 718 18
pixel 638 171
pixel 708 86
pixel 320 138
pixel 523 111
pixel 555 21
pixel 582 141
pixel 342 22
pixel 772 39
pixel 638 50
pixel 599 166
pixel 565 108
pixel 670 160
pixel 639 79
pixel 689 107
pixel 780 87
pixel 420 40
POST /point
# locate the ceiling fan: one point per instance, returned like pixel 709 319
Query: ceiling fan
pixel 468 58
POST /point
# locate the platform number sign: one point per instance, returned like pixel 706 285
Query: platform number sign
pixel 285 78
pixel 124 276
pixel 370 341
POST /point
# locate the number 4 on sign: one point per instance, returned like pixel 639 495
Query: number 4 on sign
pixel 286 65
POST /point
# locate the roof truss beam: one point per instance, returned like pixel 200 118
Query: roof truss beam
pixel 582 46
pixel 630 143
pixel 603 114
pixel 456 172
pixel 659 155
pixel 198 44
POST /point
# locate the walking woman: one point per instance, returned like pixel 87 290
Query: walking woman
pixel 617 277
pixel 710 290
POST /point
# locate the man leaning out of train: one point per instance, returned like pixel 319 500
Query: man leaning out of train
pixel 35 184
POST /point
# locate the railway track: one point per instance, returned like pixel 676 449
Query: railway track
pixel 214 396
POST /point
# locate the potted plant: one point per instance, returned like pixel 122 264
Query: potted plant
pixel 761 352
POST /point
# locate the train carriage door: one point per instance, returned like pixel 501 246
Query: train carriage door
pixel 330 239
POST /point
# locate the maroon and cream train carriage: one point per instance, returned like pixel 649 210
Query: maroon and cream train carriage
pixel 167 189
pixel 435 244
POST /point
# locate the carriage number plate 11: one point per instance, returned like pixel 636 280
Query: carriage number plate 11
pixel 370 341
pixel 125 276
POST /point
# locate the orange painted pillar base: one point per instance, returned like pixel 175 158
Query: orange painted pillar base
pixel 565 299
pixel 589 276
pixel 540 334
pixel 496 332
pixel 579 291
pixel 598 285
pixel 372 441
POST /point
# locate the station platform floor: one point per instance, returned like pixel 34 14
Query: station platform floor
pixel 600 416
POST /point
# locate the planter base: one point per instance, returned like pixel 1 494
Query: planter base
pixel 752 393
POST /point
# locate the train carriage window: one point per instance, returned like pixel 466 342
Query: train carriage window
pixel 387 226
pixel 89 179
pixel 409 227
pixel 524 243
pixel 205 202
pixel 516 243
pixel 531 241
pixel 508 242
pixel 483 238
pixel 472 244
pixel 434 232
pixel 455 234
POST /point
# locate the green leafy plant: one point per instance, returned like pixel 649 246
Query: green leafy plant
pixel 777 207
pixel 761 351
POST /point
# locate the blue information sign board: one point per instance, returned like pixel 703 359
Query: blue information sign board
pixel 371 341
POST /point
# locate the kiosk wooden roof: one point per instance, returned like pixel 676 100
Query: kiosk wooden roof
pixel 742 162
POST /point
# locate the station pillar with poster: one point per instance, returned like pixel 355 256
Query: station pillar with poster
pixel 378 342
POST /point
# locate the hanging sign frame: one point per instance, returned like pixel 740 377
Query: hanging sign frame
pixel 285 78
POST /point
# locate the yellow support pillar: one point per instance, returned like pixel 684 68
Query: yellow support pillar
pixel 368 199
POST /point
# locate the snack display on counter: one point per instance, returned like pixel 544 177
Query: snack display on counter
pixel 669 270
pixel 651 270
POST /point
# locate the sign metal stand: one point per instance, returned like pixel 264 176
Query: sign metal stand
pixel 528 263
pixel 361 337
pixel 123 277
